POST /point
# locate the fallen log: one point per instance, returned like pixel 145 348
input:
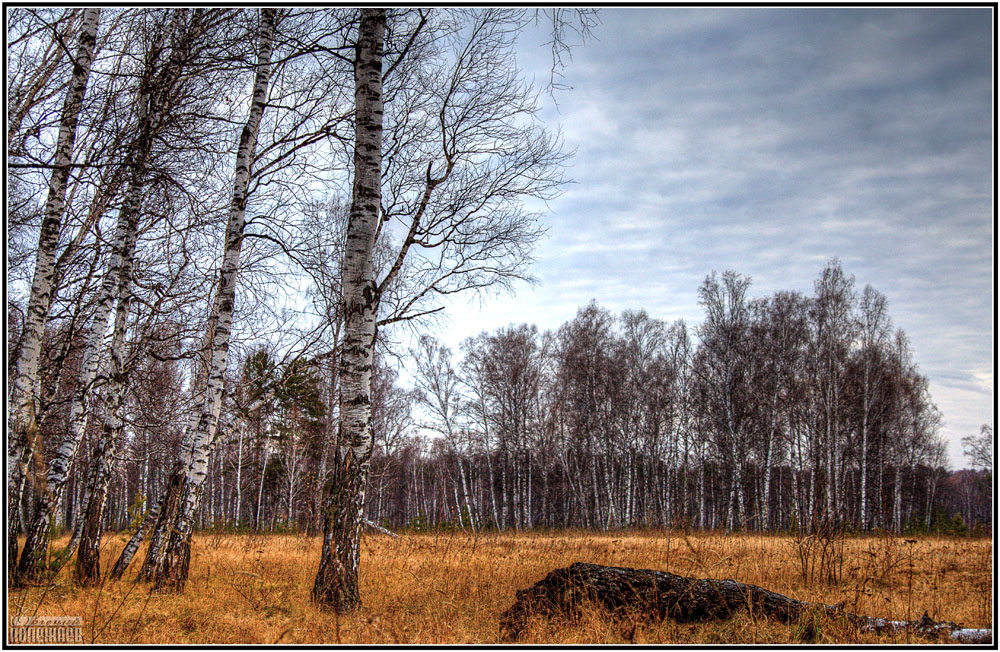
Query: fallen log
pixel 378 528
pixel 658 595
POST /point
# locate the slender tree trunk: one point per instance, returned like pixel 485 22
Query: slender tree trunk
pixel 812 500
pixel 116 286
pixel 23 431
pixel 595 489
pixel 238 505
pixel 329 434
pixel 167 515
pixel 529 522
pixel 740 499
pixel 336 583
pixel 171 573
pixel 880 515
pixel 134 542
pixel 701 492
pixel 88 569
pixel 74 541
pixel 765 521
pixel 493 493
pixel 864 452
pixel 88 566
pixel 465 495
pixel 897 501
pixel 260 491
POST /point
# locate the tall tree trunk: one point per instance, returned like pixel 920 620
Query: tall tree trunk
pixel 174 484
pixel 88 568
pixel 492 483
pixel 811 509
pixel 239 476
pixel 864 452
pixel 336 583
pixel 134 542
pixel 260 491
pixel 897 500
pixel 171 573
pixel 167 515
pixel 23 427
pixel 701 492
pixel 768 462
pixel 115 287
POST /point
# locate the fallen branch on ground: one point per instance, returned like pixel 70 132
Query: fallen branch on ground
pixel 379 528
pixel 685 599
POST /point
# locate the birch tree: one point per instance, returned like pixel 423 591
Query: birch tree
pixel 88 562
pixel 22 438
pixel 155 86
pixel 336 582
pixel 445 178
pixel 979 448
pixel 833 323
pixel 172 568
pixel 874 328
pixel 724 369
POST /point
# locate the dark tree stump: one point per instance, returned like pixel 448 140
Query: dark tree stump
pixel 658 595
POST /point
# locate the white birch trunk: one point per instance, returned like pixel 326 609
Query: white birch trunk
pixel 135 541
pixel 115 287
pixel 171 572
pixel 471 507
pixel 336 583
pixel 769 457
pixel 23 430
pixel 864 455
pixel 260 491
pixel 239 476
pixel 91 515
pixel 493 493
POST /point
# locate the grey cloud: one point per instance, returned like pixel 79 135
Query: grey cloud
pixel 768 141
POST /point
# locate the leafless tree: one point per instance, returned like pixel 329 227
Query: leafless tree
pixel 979 448
pixel 23 437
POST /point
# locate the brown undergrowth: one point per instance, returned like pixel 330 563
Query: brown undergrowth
pixel 451 588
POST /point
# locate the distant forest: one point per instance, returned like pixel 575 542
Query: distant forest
pixel 775 413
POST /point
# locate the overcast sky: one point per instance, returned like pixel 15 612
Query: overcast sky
pixel 769 141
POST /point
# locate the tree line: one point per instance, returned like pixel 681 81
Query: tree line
pixel 610 421
pixel 777 413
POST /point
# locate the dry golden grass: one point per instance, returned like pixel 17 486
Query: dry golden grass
pixel 451 588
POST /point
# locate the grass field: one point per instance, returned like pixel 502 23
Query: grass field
pixel 451 588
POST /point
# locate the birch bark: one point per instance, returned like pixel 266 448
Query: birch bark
pixel 336 583
pixel 23 430
pixel 133 543
pixel 171 573
pixel 88 567
pixel 115 287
